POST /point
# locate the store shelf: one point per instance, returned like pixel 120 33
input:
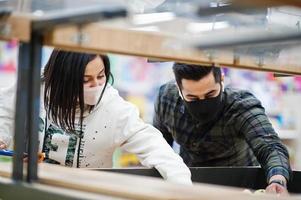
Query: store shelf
pixel 122 37
pixel 29 23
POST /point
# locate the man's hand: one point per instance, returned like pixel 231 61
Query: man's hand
pixel 277 188
pixel 2 145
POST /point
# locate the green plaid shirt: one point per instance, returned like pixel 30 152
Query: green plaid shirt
pixel 241 136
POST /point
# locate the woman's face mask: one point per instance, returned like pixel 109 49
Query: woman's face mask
pixel 205 110
pixel 94 81
pixel 92 94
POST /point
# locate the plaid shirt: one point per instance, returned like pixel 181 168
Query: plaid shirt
pixel 241 135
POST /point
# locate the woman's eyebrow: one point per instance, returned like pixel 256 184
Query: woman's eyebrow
pixel 101 71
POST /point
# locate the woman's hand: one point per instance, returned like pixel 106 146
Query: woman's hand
pixel 41 157
pixel 2 144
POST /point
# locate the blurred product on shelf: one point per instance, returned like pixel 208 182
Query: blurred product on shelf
pixel 8 56
pixel 8 62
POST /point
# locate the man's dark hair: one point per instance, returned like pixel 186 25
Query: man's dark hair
pixel 194 72
pixel 63 77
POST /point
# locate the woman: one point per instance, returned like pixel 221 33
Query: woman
pixel 83 119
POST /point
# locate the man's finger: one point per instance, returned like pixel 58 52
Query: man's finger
pixel 271 188
pixel 281 190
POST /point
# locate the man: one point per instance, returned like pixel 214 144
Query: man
pixel 217 126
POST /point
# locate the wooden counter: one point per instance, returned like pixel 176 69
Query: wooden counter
pixel 133 187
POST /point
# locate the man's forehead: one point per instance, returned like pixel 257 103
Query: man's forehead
pixel 203 85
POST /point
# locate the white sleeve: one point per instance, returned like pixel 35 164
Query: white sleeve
pixel 7 114
pixel 149 145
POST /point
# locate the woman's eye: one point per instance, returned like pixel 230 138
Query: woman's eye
pixel 100 77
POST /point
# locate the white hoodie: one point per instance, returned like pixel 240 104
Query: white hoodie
pixel 113 123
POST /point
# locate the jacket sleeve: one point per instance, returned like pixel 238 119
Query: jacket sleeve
pixel 7 114
pixel 272 155
pixel 7 111
pixel 148 144
pixel 158 121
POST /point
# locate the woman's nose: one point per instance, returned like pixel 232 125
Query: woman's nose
pixel 94 82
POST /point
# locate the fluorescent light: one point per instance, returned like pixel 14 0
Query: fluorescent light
pixel 218 4
pixel 196 27
pixel 38 13
pixel 146 28
pixel 140 19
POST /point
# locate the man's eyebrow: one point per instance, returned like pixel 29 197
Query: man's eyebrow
pixel 191 95
pixel 212 91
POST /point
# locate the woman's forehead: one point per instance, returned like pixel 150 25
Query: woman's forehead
pixel 94 67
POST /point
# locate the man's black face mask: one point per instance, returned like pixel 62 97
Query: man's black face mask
pixel 205 110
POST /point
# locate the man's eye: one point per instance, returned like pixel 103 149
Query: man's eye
pixel 210 95
pixel 192 99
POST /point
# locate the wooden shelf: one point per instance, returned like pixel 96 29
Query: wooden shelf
pixel 100 38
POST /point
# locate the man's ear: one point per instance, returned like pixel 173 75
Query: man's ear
pixel 222 81
pixel 178 87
